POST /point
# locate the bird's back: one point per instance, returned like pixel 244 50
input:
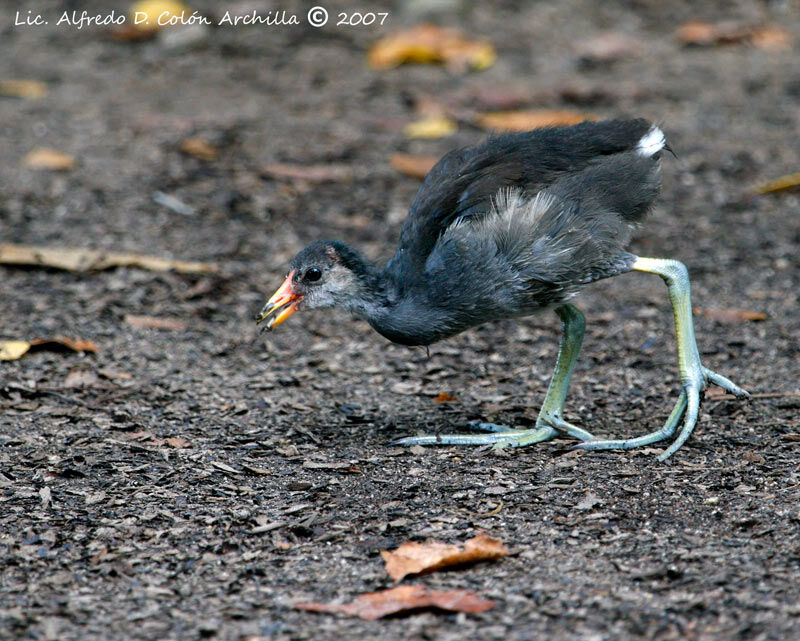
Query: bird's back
pixel 464 181
pixel 523 221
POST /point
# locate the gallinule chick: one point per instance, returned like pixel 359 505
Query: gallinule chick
pixel 507 228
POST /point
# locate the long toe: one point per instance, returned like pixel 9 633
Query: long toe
pixel 499 438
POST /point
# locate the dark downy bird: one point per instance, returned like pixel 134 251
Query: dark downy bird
pixel 507 228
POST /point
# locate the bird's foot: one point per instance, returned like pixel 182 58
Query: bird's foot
pixel 502 436
pixel 687 408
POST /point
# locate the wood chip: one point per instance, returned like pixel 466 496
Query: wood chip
pixel 81 260
pixel 199 147
pixel 31 89
pixel 47 158
pixel 704 34
pixel 156 322
pixel 784 183
pixel 225 467
pixel 309 173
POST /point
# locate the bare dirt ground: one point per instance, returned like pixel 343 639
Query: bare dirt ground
pixel 279 484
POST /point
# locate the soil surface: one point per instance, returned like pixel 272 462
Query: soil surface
pixel 196 482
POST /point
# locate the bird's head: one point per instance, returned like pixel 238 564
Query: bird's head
pixel 325 274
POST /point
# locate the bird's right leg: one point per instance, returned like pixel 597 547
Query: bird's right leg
pixel 550 420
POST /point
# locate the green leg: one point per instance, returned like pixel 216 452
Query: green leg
pixel 694 376
pixel 550 420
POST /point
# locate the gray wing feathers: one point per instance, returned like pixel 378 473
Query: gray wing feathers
pixel 543 247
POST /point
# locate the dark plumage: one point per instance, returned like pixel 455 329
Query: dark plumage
pixel 502 229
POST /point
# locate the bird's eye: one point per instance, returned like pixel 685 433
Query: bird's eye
pixel 313 274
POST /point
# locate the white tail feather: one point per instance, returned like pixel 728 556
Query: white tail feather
pixel 651 143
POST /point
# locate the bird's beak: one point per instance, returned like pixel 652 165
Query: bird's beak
pixel 282 304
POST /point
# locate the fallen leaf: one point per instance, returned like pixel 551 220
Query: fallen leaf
pixel 704 34
pixel 525 120
pixel 404 598
pixel 431 128
pixel 695 32
pixel 413 558
pixel 13 350
pixel 789 181
pixel 588 502
pixel 411 165
pixel 199 148
pixel 46 158
pixel 79 260
pixel 155 322
pixel 311 173
pixel 444 397
pixel 23 89
pixel 771 38
pixel 177 442
pixel 731 315
pixel 428 44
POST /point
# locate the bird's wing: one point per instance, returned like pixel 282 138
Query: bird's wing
pixel 463 183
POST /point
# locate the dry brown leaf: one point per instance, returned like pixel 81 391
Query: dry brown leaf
pixel 444 397
pixel 46 158
pixel 413 558
pixel 525 120
pixel 411 165
pixel 199 147
pixel 23 88
pixel 789 181
pixel 155 322
pixel 404 598
pixel 14 349
pixel 310 173
pixel 696 32
pixel 80 260
pixel 431 128
pixel 771 38
pixel 428 44
pixel 731 315
pixel 767 37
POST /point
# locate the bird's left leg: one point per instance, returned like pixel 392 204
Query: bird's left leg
pixel 550 420
pixel 694 376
